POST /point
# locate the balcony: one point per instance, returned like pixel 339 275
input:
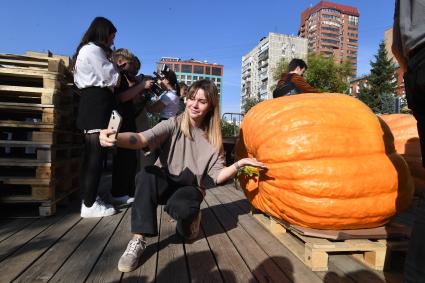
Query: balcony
pixel 263 55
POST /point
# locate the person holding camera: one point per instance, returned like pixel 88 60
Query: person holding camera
pixel 95 76
pixel 168 104
pixel 125 160
pixel 191 161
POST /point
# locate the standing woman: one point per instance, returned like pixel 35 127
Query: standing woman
pixel 168 103
pixel 190 162
pixel 95 76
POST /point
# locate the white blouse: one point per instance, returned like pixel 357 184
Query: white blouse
pixel 92 68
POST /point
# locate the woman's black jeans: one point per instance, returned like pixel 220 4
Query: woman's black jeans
pixel 153 188
pixel 94 155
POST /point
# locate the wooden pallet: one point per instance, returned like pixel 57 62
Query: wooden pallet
pixel 26 77
pixel 314 252
pixel 39 170
pixel 46 114
pixel 47 192
pixel 23 94
pixel 16 136
pixel 45 63
pixel 21 150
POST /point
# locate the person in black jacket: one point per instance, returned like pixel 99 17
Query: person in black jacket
pixel 409 49
pixel 125 161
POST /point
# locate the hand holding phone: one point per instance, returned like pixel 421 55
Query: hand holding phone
pixel 115 122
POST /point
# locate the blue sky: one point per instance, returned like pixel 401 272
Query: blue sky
pixel 217 31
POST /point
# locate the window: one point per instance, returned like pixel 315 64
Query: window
pixel 353 20
pixel 189 77
pixel 177 68
pixel 216 71
pixel 331 29
pixel 186 68
pixel 330 41
pixel 330 35
pixel 352 40
pixel 182 77
pixel 195 78
pixel 198 69
pixel 208 69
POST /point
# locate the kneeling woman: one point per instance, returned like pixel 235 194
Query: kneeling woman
pixel 191 160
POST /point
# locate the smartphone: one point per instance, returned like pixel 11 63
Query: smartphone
pixel 115 122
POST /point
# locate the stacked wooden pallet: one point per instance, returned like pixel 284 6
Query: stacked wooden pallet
pixel 313 247
pixel 39 147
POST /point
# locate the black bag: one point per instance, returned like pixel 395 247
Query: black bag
pixel 287 88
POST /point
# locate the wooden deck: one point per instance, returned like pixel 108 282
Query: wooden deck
pixel 234 247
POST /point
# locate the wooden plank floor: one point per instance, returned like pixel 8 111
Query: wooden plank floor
pixel 233 247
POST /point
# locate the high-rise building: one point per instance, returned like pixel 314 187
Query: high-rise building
pixel 189 71
pixel 333 30
pixel 258 65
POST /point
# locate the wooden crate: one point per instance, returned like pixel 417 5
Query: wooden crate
pixel 314 251
pixel 40 149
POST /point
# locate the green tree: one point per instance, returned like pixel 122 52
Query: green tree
pixel 382 75
pixel 249 103
pixel 369 98
pixel 229 129
pixel 382 83
pixel 327 76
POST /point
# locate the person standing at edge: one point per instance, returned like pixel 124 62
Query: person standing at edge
pixel 409 49
pixel 95 76
pixel 292 81
pixel 191 161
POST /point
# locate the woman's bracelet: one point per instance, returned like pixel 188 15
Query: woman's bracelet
pixel 237 165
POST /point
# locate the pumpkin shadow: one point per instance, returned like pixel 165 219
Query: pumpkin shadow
pixel 404 198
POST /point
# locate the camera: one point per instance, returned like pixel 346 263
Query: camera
pixel 156 88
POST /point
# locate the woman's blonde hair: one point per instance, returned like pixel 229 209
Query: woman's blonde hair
pixel 211 123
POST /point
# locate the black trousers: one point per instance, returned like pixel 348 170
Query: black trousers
pixel 153 188
pixel 414 80
pixel 123 172
pixel 94 155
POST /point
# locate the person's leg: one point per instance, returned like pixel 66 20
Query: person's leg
pixel 414 269
pixel 123 173
pixel 152 188
pixel 184 206
pixel 91 171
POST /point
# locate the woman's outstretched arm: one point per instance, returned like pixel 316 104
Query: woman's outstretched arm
pixel 124 140
pixel 228 172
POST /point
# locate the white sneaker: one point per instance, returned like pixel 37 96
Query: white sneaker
pixel 129 260
pixel 98 209
pixel 130 200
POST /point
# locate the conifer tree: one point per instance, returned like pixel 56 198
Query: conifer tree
pixel 382 83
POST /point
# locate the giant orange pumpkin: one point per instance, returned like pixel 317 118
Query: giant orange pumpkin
pixel 406 141
pixel 329 166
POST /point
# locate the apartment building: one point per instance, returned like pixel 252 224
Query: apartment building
pixel 333 30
